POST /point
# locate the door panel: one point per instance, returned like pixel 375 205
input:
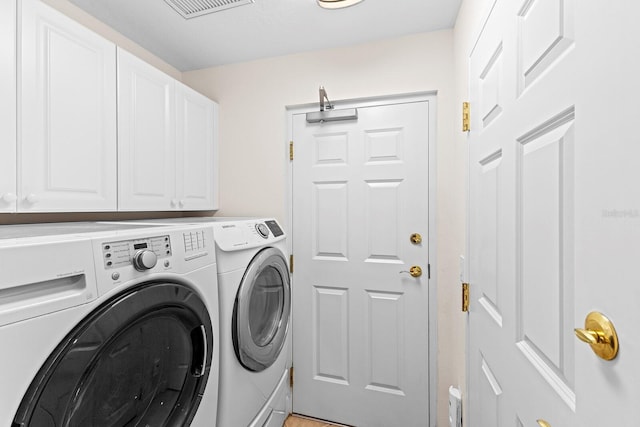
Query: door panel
pixel 545 238
pixel 361 342
pixel 67 148
pixel 195 149
pixel 146 136
pixel 8 106
pixel 330 331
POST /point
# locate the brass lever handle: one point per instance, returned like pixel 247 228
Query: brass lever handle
pixel 589 336
pixel 600 334
pixel 414 271
pixel 543 423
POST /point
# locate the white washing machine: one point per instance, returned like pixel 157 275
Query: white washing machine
pixel 108 325
pixel 255 306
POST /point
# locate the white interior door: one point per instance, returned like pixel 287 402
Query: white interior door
pixel 539 190
pixel 360 320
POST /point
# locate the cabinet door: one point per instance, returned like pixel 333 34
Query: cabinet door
pixel 7 106
pixel 146 136
pixel 196 150
pixel 67 145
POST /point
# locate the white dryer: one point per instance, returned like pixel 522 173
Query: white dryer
pixel 255 306
pixel 108 325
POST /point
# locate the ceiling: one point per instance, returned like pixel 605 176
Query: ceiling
pixel 265 28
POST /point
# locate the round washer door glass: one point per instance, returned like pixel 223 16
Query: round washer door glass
pixel 140 359
pixel 261 311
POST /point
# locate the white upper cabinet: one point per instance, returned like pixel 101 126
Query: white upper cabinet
pixel 67 119
pixel 146 136
pixel 196 156
pixel 7 106
pixel 166 145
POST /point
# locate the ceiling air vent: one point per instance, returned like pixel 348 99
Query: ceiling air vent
pixel 192 8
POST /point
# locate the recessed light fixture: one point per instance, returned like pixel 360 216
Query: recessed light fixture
pixel 337 4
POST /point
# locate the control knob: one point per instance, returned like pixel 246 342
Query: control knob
pixel 144 260
pixel 262 230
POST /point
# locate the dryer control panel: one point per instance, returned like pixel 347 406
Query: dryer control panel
pixel 122 253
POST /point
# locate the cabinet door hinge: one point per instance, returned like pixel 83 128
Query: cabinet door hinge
pixel 466 118
pixel 291 377
pixel 291 263
pixel 465 297
pixel 290 150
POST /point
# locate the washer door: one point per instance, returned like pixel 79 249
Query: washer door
pixel 261 311
pixel 140 359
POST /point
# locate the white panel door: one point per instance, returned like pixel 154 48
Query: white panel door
pixel 67 121
pixel 146 136
pixel 8 106
pixel 360 320
pixel 541 248
pixel 196 153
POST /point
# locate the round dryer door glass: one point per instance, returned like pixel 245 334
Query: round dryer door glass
pixel 266 303
pixel 261 311
pixel 142 358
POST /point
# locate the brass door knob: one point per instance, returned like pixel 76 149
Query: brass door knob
pixel 416 238
pixel 414 271
pixel 543 423
pixel 600 334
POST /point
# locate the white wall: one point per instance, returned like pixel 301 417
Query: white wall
pixel 253 144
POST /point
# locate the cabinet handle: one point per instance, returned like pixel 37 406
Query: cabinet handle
pixel 31 199
pixel 181 203
pixel 174 203
pixel 9 198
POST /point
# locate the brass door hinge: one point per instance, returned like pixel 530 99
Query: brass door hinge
pixel 465 297
pixel 290 150
pixel 466 118
pixel 291 263
pixel 291 377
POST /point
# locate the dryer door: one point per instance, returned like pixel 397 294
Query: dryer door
pixel 261 310
pixel 140 359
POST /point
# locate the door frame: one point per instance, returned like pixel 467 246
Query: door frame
pixel 431 98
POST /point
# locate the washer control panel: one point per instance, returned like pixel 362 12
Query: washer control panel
pixel 142 253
